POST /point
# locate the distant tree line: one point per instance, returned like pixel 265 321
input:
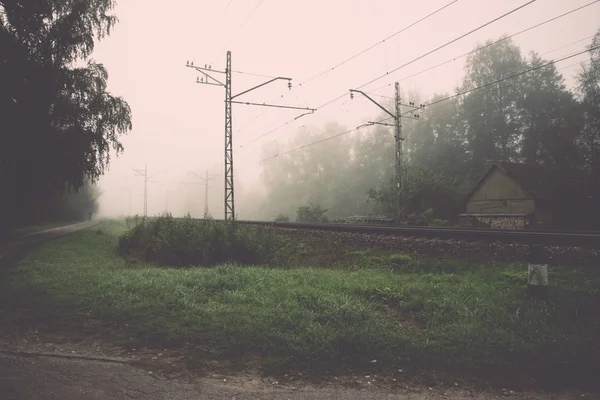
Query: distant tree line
pixel 532 118
pixel 59 122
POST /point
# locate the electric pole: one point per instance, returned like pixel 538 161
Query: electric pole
pixel 398 139
pixel 210 80
pixel 205 180
pixel 144 174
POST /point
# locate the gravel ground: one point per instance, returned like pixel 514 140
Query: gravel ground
pixel 476 251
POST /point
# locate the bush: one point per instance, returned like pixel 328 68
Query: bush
pixel 282 218
pixel 426 218
pixel 185 242
pixel 311 213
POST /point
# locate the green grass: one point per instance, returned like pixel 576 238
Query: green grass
pixel 388 307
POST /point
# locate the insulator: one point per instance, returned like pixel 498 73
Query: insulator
pixel 192 64
pixel 351 95
pixel 197 79
pixel 204 65
pixel 290 85
pixel 422 105
pixel 187 62
pixel 202 79
pixel 210 66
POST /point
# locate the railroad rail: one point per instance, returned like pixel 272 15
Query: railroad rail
pixel 528 237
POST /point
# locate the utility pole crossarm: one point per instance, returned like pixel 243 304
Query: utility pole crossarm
pixel 208 83
pixel 379 123
pixel 261 85
pixel 274 105
pixel 202 71
pixel 374 102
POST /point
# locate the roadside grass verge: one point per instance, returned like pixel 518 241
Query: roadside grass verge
pixel 389 308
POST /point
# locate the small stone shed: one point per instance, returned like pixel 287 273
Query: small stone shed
pixel 521 196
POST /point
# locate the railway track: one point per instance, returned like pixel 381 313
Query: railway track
pixel 528 237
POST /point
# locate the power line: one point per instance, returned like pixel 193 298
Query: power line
pixel 451 41
pixel 567 45
pixel 447 98
pixel 498 41
pixel 216 23
pixel 318 141
pixel 224 10
pixel 259 75
pixel 514 75
pixel 374 45
pixel 414 60
pixel 280 126
pixel 378 43
pixel 256 7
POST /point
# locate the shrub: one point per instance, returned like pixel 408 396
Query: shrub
pixel 426 218
pixel 282 218
pixel 311 213
pixel 204 242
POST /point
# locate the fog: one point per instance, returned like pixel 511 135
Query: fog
pixel 178 125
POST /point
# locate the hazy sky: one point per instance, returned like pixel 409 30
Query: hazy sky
pixel 179 125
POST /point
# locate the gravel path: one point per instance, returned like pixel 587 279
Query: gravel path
pixel 478 251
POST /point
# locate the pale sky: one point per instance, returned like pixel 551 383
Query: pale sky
pixel 178 125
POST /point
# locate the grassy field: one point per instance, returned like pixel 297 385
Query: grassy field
pixel 384 307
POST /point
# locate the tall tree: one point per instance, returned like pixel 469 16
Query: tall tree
pixel 550 117
pixel 491 113
pixel 589 89
pixel 59 121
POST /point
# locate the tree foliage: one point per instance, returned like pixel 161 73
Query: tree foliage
pixel 589 90
pixel 59 120
pixel 311 213
pixel 531 118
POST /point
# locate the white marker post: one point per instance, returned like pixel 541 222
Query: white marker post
pixel 537 279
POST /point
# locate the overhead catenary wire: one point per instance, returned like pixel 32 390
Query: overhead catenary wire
pixel 499 41
pixel 567 45
pixel 461 93
pixel 374 93
pixel 324 72
pixel 224 11
pixel 317 142
pixel 410 62
pixel 449 43
pixel 378 43
pixel 248 17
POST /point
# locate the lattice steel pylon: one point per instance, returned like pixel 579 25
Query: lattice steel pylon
pixel 210 80
pixel 229 189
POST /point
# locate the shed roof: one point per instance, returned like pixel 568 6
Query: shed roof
pixel 539 181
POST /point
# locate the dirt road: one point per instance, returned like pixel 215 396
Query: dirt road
pixel 58 378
